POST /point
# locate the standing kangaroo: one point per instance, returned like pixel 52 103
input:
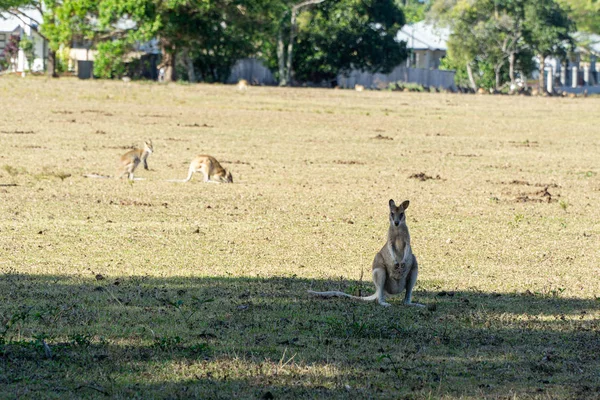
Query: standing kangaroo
pixel 395 267
pixel 130 160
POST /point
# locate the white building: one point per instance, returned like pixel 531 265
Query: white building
pixel 24 25
pixel 426 42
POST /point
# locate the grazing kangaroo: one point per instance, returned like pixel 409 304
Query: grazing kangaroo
pixel 211 169
pixel 131 159
pixel 395 267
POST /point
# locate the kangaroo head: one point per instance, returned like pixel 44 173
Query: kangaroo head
pixel 397 215
pixel 148 146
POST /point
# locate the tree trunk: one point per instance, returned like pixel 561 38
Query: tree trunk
pixel 471 78
pixel 497 71
pixel 189 63
pixel 290 48
pixel 51 67
pixel 511 69
pixel 168 60
pixel 293 27
pixel 541 86
pixel 281 59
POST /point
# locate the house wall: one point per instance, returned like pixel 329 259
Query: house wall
pixel 3 40
pixel 428 58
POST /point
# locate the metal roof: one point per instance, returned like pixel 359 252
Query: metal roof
pixel 424 36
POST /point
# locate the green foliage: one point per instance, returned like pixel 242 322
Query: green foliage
pixel 27 45
pixel 585 13
pixel 488 34
pixel 109 60
pixel 449 63
pixel 547 28
pixel 338 36
pixel 414 10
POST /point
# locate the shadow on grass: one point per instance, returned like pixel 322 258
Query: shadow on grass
pixel 147 337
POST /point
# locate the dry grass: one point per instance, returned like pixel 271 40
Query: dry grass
pixel 164 290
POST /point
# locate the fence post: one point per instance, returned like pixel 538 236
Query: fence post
pixel 586 76
pixel 574 77
pixel 563 77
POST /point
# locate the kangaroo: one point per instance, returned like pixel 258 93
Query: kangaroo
pixel 211 169
pixel 131 159
pixel 242 85
pixel 395 267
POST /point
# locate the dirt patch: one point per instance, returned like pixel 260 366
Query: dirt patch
pixel 381 137
pixel 100 112
pixel 525 183
pixel 235 162
pixel 350 162
pixel 155 115
pixel 130 203
pixel 131 146
pixel 195 125
pixel 525 143
pixel 541 196
pixel 465 155
pixel 424 177
pixel 17 132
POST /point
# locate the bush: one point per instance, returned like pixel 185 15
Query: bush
pixel 406 87
pixel 109 61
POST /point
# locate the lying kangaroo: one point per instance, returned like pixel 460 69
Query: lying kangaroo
pixel 130 160
pixel 242 85
pixel 395 267
pixel 211 169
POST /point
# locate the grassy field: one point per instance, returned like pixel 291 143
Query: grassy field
pixel 153 289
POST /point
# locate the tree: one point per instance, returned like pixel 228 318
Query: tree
pixel 336 37
pixel 486 34
pixel 585 13
pixel 548 29
pixel 212 41
pixel 285 75
pixel 60 18
pixel 414 10
pixel 11 51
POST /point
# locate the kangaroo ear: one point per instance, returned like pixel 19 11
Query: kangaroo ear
pixel 392 204
pixel 405 204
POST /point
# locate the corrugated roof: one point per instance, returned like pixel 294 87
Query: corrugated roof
pixel 424 36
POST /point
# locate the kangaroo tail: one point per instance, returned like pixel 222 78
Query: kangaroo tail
pixel 342 294
pixel 189 177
